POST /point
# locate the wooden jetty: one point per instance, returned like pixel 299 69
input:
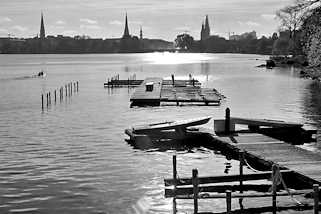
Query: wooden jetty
pixel 289 166
pixel 154 91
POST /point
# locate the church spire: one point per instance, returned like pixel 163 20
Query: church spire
pixel 206 31
pixel 207 26
pixel 141 33
pixel 126 31
pixel 42 28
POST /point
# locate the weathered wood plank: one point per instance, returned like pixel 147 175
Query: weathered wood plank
pixel 223 178
pixel 265 122
pixel 243 195
pixel 218 189
pixel 304 162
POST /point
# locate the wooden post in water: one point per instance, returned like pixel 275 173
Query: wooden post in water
pixel 70 88
pixel 77 86
pixel 173 80
pixel 228 201
pixel 227 120
pixel 66 90
pixel 241 159
pixel 316 198
pixel 55 97
pixel 195 189
pixel 274 185
pixel 49 99
pixel 175 183
pixel 42 101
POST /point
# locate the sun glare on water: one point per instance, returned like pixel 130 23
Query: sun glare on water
pixel 175 58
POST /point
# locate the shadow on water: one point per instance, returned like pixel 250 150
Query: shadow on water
pixel 164 145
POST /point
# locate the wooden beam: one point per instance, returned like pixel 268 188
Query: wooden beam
pixel 223 178
pixel 265 122
pixel 217 188
pixel 242 195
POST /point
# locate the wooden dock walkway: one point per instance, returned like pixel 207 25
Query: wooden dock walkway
pixel 272 151
pixel 290 169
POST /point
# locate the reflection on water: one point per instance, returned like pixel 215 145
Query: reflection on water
pixel 72 158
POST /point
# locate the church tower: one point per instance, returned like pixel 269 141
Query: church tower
pixel 206 31
pixel 141 33
pixel 42 28
pixel 126 31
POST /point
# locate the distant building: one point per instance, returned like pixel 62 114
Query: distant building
pixel 42 28
pixel 205 31
pixel 247 35
pixel 126 31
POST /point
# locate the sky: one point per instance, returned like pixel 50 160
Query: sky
pixel 163 19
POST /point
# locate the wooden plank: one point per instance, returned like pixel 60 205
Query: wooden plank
pixel 223 178
pixel 218 189
pixel 243 195
pixel 265 122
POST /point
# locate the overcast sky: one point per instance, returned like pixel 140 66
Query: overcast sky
pixel 158 18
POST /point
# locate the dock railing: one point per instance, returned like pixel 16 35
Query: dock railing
pixel 196 187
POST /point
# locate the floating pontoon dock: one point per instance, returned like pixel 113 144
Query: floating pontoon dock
pixel 154 91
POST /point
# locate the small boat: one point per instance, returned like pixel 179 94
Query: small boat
pixel 171 130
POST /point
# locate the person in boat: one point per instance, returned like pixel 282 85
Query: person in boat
pixel 40 74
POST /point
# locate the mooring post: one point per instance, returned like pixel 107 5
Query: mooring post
pixel 193 81
pixel 274 186
pixel 49 99
pixel 42 101
pixel 77 86
pixel 175 183
pixel 195 189
pixel 173 80
pixel 66 90
pixel 228 201
pixel 241 159
pixel 71 88
pixel 174 171
pixel 227 120
pixel 55 97
pixel 316 198
pixel 74 87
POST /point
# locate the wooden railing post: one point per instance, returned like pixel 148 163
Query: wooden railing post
pixel 195 189
pixel 316 198
pixel 228 201
pixel 227 120
pixel 241 159
pixel 175 183
pixel 274 186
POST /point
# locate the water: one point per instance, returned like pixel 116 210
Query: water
pixel 72 158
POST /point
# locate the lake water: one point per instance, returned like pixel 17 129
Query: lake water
pixel 72 157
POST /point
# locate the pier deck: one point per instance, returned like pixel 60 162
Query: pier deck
pixel 272 151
